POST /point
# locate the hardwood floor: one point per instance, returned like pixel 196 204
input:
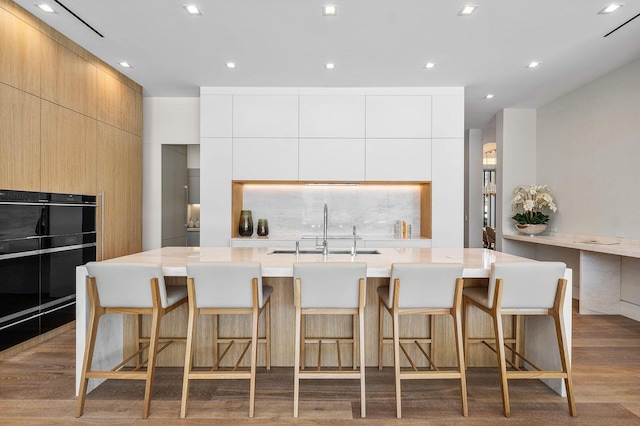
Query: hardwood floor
pixel 37 387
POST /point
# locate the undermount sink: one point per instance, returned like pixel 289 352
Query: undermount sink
pixel 319 251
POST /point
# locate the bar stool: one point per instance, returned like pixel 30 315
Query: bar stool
pixel 329 288
pixel 422 289
pixel 223 288
pixel 116 288
pixel 525 288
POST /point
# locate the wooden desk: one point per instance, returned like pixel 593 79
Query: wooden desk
pixel 277 270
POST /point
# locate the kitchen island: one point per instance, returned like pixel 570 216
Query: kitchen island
pixel 116 333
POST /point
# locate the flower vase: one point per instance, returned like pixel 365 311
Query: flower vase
pixel 531 229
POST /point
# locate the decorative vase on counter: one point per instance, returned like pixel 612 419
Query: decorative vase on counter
pixel 531 229
pixel 263 228
pixel 245 226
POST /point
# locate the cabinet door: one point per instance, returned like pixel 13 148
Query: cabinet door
pixel 265 159
pixel 332 159
pixel 398 117
pixel 448 116
pixel 447 193
pixel 265 116
pixel 20 53
pixel 215 116
pixel 69 80
pixel 398 160
pixel 68 151
pixel 19 140
pixel 119 176
pixel 332 116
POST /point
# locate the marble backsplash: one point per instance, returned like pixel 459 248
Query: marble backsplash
pixel 298 209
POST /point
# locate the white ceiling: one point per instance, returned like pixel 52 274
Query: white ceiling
pixel 372 43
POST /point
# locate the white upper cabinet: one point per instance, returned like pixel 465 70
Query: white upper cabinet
pixel 401 116
pixel 448 116
pixel 398 160
pixel 328 116
pixel 331 159
pixel 270 116
pixel 447 193
pixel 265 159
pixel 215 116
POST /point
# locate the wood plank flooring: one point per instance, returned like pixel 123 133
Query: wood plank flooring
pixel 37 387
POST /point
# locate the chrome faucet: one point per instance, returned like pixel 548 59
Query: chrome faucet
pixel 325 226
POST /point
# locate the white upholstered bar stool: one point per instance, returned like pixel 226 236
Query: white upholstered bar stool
pixel 525 288
pixel 116 288
pixel 223 288
pixel 423 289
pixel 329 288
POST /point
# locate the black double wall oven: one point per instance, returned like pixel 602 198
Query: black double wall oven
pixel 43 237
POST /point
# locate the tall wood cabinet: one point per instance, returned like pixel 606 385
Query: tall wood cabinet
pixel 70 123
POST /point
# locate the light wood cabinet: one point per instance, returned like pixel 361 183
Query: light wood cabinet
pixel 398 160
pixel 119 177
pixel 331 159
pixel 401 116
pixel 20 57
pixel 326 116
pixel 265 159
pixel 265 116
pixel 68 151
pixel 19 140
pixel 68 79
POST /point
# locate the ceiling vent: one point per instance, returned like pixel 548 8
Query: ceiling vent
pixel 620 26
pixel 79 18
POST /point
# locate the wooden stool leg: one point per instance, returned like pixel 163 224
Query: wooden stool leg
pixel 380 332
pixel 254 361
pixel 565 362
pixel 396 362
pixel 188 360
pixel 502 365
pixel 151 365
pixel 296 367
pixel 267 333
pixel 354 346
pixel 457 323
pixel 363 403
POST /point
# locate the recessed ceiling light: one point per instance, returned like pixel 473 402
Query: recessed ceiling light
pixel 611 8
pixel 533 64
pixel 329 10
pixel 46 8
pixel 231 65
pixel 192 9
pixel 489 96
pixel 430 65
pixel 467 10
pixel 125 64
pixel 329 66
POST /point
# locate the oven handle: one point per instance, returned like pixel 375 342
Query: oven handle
pixel 71 205
pixel 19 254
pixel 66 248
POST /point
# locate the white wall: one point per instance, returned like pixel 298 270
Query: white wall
pixel 173 121
pixel 473 188
pixel 516 165
pixel 588 152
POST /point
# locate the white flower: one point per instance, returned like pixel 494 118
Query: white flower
pixel 533 199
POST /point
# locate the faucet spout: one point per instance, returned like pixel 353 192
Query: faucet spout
pixel 325 226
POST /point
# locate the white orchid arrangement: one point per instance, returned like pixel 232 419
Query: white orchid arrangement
pixel 531 201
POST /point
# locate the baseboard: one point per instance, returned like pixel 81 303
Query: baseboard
pixel 630 310
pixel 36 340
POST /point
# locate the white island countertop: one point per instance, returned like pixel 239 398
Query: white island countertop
pixel 476 262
